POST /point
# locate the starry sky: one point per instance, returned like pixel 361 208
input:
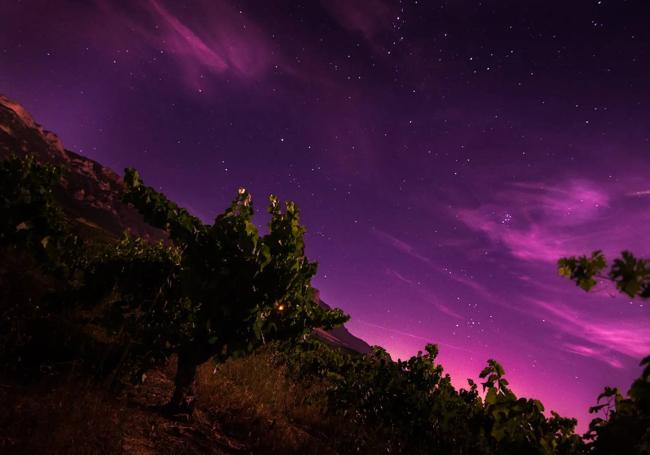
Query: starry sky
pixel 444 153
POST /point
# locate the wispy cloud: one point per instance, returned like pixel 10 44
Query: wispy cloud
pixel 395 274
pixel 368 17
pixel 446 309
pixel 600 339
pixel 400 245
pixel 539 222
pixel 639 193
pixel 473 284
pixel 425 294
pixel 412 335
pixel 216 39
pixel 601 354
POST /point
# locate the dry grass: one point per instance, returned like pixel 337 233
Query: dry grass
pixel 66 419
pixel 254 399
pixel 246 406
pixel 81 417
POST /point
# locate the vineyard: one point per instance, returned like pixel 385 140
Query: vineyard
pixel 228 313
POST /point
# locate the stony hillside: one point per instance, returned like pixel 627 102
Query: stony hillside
pixel 91 192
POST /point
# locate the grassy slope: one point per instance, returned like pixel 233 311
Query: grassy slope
pixel 246 406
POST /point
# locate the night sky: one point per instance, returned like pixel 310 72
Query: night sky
pixel 444 154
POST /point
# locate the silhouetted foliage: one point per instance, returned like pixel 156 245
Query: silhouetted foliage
pixel 31 219
pixel 218 290
pixel 630 274
pixel 38 253
pixel 411 406
pixel 625 427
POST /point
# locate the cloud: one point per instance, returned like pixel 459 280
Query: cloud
pixel 395 274
pixel 412 335
pixel 369 17
pixel 536 224
pixel 445 309
pixel 597 339
pixel 400 245
pixel 407 249
pixel 599 354
pixel 572 202
pixel 539 222
pixel 215 39
pixel 425 294
pixel 639 193
pixel 529 243
pixel 479 289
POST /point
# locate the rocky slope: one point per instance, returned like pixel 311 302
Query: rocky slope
pixel 91 193
pixel 341 337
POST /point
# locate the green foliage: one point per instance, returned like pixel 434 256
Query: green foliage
pixel 243 288
pixel 625 427
pixel 631 275
pixel 228 289
pixel 31 219
pixel 411 407
pixel 519 425
pixel 160 211
pixel 134 279
pixel 39 255
pixel 583 269
pixel 495 383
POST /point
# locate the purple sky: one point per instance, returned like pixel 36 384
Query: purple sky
pixel 444 154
